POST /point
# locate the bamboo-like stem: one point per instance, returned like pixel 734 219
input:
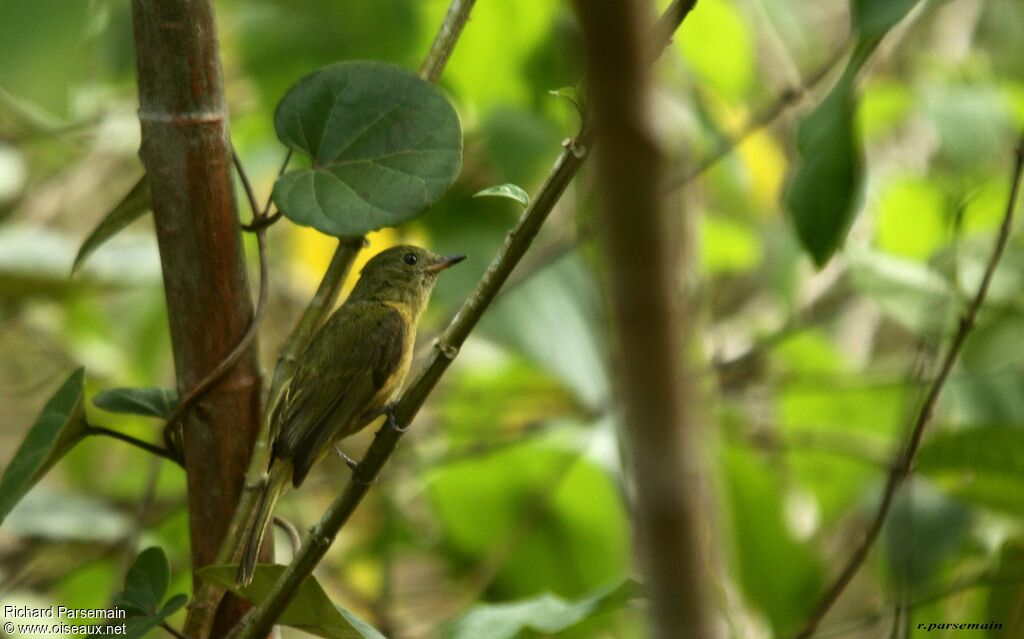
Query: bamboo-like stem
pixel 900 469
pixel 186 153
pixel 445 349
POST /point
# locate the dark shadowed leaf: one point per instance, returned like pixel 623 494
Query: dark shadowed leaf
pixel 149 402
pixel 823 193
pixel 59 427
pixel 129 209
pixel 144 590
pixel 311 610
pixel 146 582
pixel 510 191
pixel 385 145
pixel 982 465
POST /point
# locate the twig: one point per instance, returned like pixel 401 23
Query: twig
pixel 294 538
pixel 170 629
pixel 785 101
pixel 446 348
pixel 901 468
pixel 444 42
pixel 159 451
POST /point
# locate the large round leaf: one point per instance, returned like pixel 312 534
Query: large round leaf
pixel 384 144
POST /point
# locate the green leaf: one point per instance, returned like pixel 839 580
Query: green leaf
pixel 510 191
pixel 129 209
pixel 873 18
pixel 311 610
pixel 146 583
pixel 982 465
pixel 545 614
pixel 58 428
pixel 148 402
pixel 822 195
pixel 136 627
pixel 144 589
pixel 385 145
pixel 779 575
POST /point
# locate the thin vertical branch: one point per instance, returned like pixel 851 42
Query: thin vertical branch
pixel 901 468
pixel 444 42
pixel 187 157
pixel 655 385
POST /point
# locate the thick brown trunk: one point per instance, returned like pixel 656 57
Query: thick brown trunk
pixel 186 153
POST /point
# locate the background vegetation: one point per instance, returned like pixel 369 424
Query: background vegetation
pixel 510 484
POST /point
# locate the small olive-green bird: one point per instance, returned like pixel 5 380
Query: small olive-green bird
pixel 348 375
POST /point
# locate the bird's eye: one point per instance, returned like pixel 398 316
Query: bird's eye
pixel 409 258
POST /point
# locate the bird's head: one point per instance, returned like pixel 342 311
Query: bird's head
pixel 404 274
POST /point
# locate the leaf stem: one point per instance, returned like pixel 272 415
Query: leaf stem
pixel 444 41
pixel 900 469
pixel 159 451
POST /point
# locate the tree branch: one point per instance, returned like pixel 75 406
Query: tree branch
pixel 446 348
pixel 444 42
pixel 902 466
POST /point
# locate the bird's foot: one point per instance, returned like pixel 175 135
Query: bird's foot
pixel 351 463
pixel 392 422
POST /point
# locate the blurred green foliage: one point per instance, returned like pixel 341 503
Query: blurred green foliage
pixel 509 491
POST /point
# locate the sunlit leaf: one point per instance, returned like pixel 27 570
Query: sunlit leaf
pixel 60 426
pixel 982 465
pixel 510 191
pixel 384 144
pixel 129 209
pixel 311 610
pixel 717 43
pixel 149 402
pixel 546 614
pixel 912 219
pixel 780 576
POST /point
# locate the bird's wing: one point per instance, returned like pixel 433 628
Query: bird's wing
pixel 339 381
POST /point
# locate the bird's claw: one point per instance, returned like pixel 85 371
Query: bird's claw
pixel 351 463
pixel 393 423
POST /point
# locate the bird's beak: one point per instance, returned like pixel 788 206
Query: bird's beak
pixel 444 263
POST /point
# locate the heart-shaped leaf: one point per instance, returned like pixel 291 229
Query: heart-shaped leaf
pixel 384 144
pixel 311 610
pixel 60 426
pixel 149 402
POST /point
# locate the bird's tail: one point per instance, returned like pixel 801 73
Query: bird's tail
pixel 272 489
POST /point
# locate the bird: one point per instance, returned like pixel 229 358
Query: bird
pixel 347 376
